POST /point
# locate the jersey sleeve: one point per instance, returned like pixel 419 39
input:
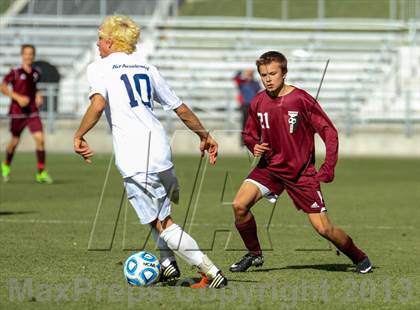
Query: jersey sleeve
pixel 38 77
pixel 10 77
pixel 96 80
pixel 161 91
pixel 326 130
pixel 252 131
pixel 237 78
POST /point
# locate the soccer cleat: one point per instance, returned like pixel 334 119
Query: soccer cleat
pixel 247 261
pixel 5 171
pixel 219 281
pixel 364 266
pixel 204 282
pixel 170 272
pixel 43 177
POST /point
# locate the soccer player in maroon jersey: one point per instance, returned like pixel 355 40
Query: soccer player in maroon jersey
pixel 281 125
pixel 26 100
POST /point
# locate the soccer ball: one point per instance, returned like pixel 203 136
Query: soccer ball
pixel 142 269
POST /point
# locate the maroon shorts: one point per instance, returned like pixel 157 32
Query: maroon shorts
pixel 18 124
pixel 305 193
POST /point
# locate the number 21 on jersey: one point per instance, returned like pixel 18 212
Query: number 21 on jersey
pixel 142 85
pixel 263 120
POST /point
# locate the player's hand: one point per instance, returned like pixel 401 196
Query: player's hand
pixel 325 174
pixel 82 148
pixel 39 100
pixel 260 149
pixel 210 145
pixel 23 101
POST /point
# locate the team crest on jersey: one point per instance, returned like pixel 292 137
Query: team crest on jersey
pixel 293 120
pixel 23 76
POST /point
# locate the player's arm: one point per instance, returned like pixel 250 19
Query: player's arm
pixel 252 134
pixel 260 149
pixel 237 78
pixel 326 130
pixel 23 101
pixel 39 99
pixel 91 117
pixel 207 143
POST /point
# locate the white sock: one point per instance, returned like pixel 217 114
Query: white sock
pixel 208 267
pixel 184 245
pixel 166 254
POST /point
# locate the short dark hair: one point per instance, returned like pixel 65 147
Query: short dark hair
pixel 271 56
pixel 23 46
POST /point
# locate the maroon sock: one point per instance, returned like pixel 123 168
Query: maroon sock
pixel 40 155
pixel 248 232
pixel 352 251
pixel 9 157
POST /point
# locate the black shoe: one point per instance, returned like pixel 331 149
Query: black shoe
pixel 247 261
pixel 364 266
pixel 218 281
pixel 170 272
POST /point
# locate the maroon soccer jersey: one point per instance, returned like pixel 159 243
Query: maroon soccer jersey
pixel 288 124
pixel 23 83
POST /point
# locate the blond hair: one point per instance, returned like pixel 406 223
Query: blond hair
pixel 122 30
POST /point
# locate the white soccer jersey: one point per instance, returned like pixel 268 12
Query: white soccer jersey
pixel 129 87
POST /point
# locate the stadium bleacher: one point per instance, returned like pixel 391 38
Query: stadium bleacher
pixel 199 56
pixel 67 43
pixel 63 7
pixel 202 57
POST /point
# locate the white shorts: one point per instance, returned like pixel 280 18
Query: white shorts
pixel 265 192
pixel 151 194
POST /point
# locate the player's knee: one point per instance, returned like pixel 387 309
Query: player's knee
pixel 156 225
pixel 325 230
pixel 239 207
pixel 39 141
pixel 15 141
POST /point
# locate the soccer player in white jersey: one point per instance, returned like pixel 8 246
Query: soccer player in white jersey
pixel 126 88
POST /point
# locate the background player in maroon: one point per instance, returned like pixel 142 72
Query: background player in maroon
pixel 281 125
pixel 26 99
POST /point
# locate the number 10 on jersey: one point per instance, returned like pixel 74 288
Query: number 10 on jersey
pixel 142 85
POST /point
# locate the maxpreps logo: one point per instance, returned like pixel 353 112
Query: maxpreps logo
pixel 293 120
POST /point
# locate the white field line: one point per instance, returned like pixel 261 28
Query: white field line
pixel 39 221
pixel 219 225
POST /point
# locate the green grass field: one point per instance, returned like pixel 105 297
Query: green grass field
pixel 45 232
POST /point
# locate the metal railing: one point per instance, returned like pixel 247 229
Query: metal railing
pixel 323 9
pixel 49 111
pixel 77 91
pixel 406 112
